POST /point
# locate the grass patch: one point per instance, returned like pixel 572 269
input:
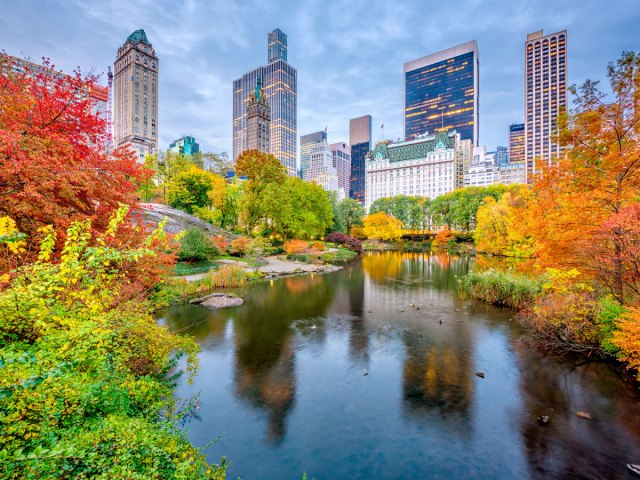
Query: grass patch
pixel 341 255
pixel 502 288
pixel 227 276
pixel 190 268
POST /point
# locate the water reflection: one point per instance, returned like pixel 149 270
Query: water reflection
pixel 284 377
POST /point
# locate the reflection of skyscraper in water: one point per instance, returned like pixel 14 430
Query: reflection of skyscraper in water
pixel 437 372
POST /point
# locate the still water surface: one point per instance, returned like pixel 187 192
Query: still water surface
pixel 369 373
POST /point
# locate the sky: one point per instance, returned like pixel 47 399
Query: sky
pixel 349 54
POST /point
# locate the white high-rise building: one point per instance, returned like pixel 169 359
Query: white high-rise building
pixel 321 169
pixel 342 161
pixel 483 170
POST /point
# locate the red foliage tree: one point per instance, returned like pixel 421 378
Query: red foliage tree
pixel 54 168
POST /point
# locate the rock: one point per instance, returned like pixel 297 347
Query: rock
pixel 223 301
pixel 583 415
pixel 480 374
pixel 543 420
pixel 364 372
pixel 197 301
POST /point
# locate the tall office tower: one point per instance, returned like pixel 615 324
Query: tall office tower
pixel 280 87
pixel 360 140
pixel 185 145
pixel 342 161
pixel 501 155
pixel 545 86
pixel 307 142
pixel 135 95
pixel 277 45
pixel 516 143
pixel 321 169
pixel 441 93
pixel 258 120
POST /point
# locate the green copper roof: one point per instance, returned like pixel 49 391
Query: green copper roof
pixel 138 36
pixel 258 89
pixel 413 149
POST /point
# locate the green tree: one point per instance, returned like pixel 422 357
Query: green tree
pixel 189 189
pixel 261 170
pixel 350 214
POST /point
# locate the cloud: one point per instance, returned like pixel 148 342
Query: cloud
pixel 348 53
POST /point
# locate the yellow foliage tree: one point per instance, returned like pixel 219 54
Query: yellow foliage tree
pixel 499 229
pixel 381 226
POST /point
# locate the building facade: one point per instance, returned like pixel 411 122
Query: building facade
pixel 516 143
pixel 307 142
pixel 441 93
pixel 258 120
pixel 501 155
pixel 280 87
pixel 483 170
pixel 545 86
pixel 135 96
pixel 424 166
pixel 342 161
pixel 321 169
pixel 360 140
pixel 512 173
pixel 185 145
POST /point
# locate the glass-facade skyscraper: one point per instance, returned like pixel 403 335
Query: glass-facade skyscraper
pixel 280 83
pixel 516 143
pixel 277 45
pixel 441 93
pixel 360 140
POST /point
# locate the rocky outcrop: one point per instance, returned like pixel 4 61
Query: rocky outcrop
pixel 218 300
pixel 179 221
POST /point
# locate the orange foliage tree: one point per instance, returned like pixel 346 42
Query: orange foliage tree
pixel 598 179
pixel 54 168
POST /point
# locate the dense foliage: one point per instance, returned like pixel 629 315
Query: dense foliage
pixel 347 241
pixel 86 384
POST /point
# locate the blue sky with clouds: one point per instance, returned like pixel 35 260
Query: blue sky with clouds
pixel 349 54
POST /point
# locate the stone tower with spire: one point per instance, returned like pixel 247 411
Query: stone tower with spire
pixel 258 120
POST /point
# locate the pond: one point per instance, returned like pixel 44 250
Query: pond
pixel 369 373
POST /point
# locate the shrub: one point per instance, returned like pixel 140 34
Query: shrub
pixel 221 243
pixel 502 288
pixel 627 339
pixel 347 241
pixel 240 246
pixel 443 238
pixel 195 245
pixel 317 247
pixel 296 246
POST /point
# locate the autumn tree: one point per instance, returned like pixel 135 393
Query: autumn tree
pixel 382 226
pixel 54 168
pixel 598 178
pixel 190 188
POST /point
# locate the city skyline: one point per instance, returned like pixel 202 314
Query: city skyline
pixel 341 76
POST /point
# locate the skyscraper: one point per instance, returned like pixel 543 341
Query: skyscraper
pixel 321 169
pixel 342 161
pixel 516 143
pixel 258 120
pixel 545 86
pixel 441 93
pixel 360 140
pixel 307 142
pixel 277 45
pixel 279 81
pixel 136 95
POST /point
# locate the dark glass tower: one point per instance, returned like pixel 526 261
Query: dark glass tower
pixel 441 93
pixel 277 45
pixel 360 139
